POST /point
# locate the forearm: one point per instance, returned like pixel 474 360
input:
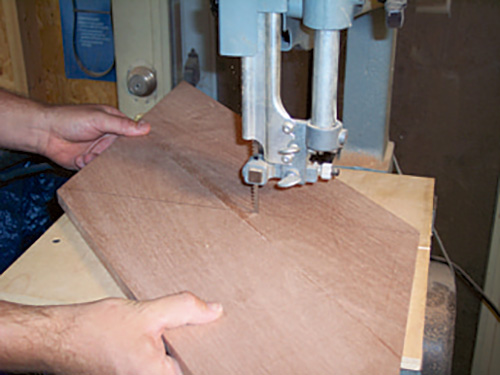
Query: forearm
pixel 22 125
pixel 71 136
pixel 27 337
pixel 111 336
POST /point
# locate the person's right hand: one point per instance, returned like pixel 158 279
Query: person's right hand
pixel 111 336
pixel 119 336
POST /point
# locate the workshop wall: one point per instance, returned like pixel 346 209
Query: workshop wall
pixel 6 73
pixel 40 27
pixel 446 124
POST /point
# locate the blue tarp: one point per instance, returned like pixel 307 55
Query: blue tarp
pixel 28 207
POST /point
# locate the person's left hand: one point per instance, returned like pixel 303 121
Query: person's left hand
pixel 76 134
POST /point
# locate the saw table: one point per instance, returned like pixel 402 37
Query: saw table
pixel 60 268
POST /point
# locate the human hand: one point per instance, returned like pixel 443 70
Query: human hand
pixel 75 135
pixel 125 337
pixel 112 336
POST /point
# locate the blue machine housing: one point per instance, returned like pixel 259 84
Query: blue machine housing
pixel 238 19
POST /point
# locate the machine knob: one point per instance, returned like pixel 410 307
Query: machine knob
pixel 141 81
pixel 394 13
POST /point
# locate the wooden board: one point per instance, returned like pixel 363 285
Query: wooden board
pixel 411 199
pixel 318 281
pixel 67 271
pixel 59 268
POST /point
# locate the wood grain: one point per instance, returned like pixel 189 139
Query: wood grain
pixel 12 62
pixel 6 71
pixel 319 281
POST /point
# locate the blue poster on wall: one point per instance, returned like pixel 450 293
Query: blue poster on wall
pixel 87 32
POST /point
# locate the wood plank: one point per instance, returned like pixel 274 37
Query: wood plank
pixel 67 271
pixel 13 61
pixel 410 198
pixel 413 353
pixel 319 276
pixel 31 47
pixel 6 72
pixel 59 268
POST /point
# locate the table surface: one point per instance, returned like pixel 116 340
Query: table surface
pixel 60 268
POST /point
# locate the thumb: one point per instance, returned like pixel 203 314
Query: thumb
pixel 182 309
pixel 122 125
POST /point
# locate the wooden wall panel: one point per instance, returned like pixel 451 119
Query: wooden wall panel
pixel 16 78
pixel 6 73
pixel 56 87
pixel 40 57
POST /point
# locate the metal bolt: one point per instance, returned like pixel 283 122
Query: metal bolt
pixel 255 176
pixel 287 159
pixel 288 127
pixel 342 137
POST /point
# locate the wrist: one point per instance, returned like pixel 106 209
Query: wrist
pixel 41 127
pixel 23 124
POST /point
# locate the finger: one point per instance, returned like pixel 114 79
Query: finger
pixel 87 158
pixel 79 162
pixel 94 150
pixel 102 143
pixel 181 309
pixel 172 366
pixel 122 126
